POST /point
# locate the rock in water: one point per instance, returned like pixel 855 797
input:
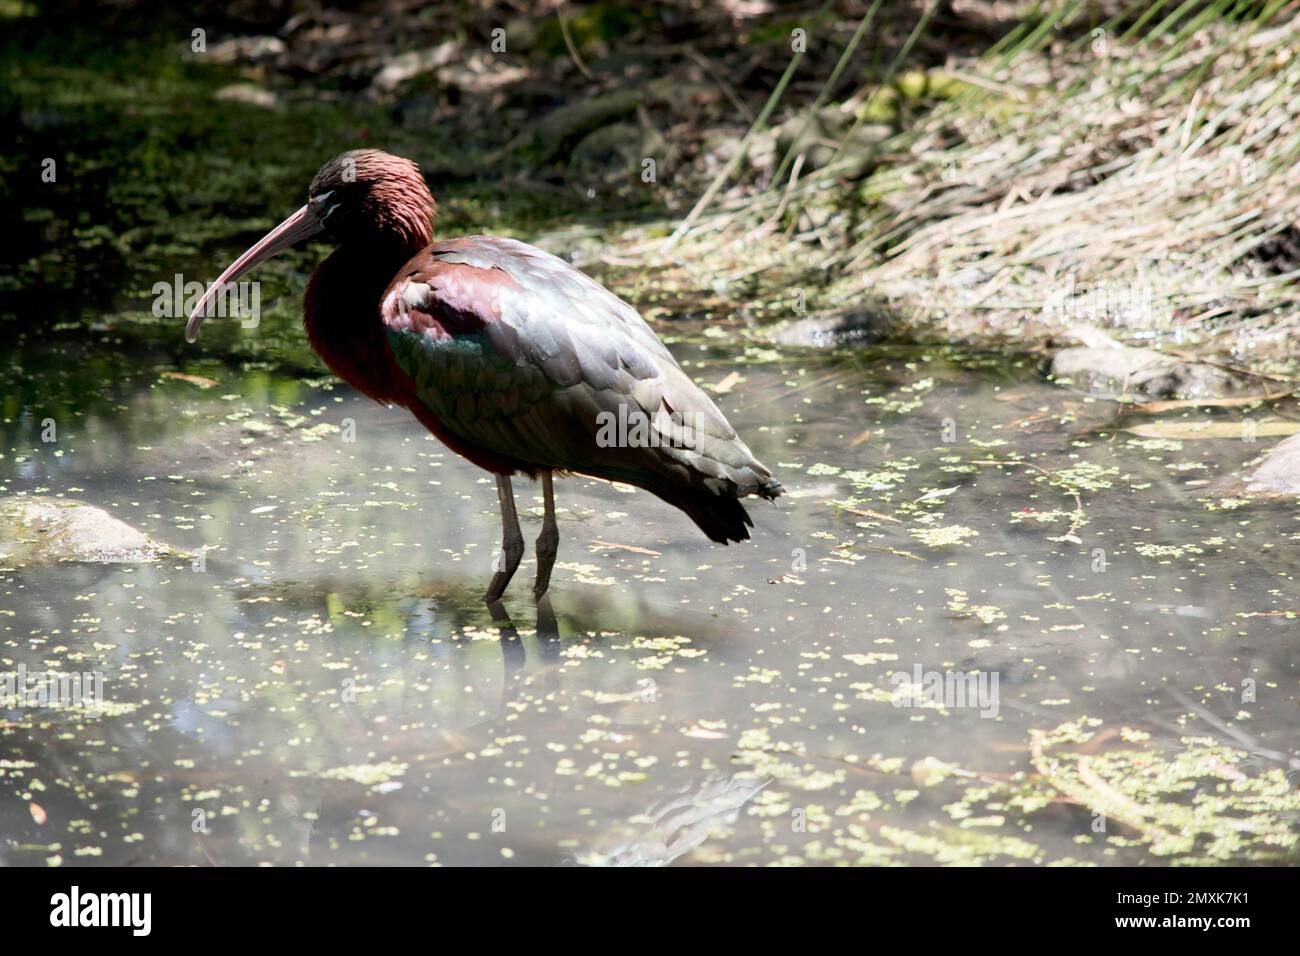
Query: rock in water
pixel 861 326
pixel 1276 475
pixel 43 531
pixel 1109 369
pixel 1279 472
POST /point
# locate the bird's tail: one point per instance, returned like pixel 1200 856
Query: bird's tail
pixel 721 517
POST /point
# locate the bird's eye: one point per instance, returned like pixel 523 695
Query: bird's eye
pixel 324 205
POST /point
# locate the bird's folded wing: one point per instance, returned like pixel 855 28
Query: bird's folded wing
pixel 520 354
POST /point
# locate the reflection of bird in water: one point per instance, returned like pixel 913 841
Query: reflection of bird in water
pixel 512 648
pixel 514 659
pixel 679 823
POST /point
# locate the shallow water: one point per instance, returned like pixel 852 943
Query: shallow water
pixel 326 686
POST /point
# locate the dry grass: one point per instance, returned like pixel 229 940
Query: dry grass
pixel 1146 185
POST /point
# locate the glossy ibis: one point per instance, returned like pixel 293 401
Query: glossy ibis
pixel 512 357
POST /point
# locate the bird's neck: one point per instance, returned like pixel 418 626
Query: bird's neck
pixel 341 308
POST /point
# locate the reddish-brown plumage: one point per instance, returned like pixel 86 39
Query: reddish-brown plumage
pixel 346 286
pixel 343 287
pixel 385 238
pixel 392 222
pixel 466 309
pixel 510 356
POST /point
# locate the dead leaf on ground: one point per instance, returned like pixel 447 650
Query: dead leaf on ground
pixel 198 380
pixel 726 385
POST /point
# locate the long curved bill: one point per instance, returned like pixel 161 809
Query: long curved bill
pixel 303 224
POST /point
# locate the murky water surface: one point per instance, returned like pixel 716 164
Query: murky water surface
pixel 325 686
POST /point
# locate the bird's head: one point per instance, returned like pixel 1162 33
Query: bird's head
pixel 363 195
pixel 367 193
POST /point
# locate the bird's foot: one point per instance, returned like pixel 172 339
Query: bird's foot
pixel 548 545
pixel 542 583
pixel 512 552
pixel 497 587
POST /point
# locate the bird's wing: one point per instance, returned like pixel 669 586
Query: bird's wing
pixel 519 354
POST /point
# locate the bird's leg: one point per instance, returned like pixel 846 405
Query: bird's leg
pixel 548 542
pixel 512 541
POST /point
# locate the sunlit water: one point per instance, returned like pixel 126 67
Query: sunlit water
pixel 326 686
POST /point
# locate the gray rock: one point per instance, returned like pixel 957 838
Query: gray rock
pixel 255 49
pixel 41 531
pixel 405 67
pixel 1276 475
pixel 863 326
pixel 1279 472
pixel 1110 369
pixel 250 94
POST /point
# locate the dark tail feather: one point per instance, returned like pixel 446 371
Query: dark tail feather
pixel 721 517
